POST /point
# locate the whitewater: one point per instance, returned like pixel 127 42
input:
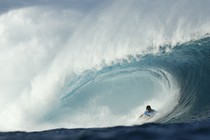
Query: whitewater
pixel 98 64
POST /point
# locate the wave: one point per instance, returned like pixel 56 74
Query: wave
pixel 68 67
pixel 174 83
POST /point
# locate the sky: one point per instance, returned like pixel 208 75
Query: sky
pixel 6 5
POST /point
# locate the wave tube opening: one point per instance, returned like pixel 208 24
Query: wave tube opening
pixel 116 97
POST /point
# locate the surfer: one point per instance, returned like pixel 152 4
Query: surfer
pixel 149 112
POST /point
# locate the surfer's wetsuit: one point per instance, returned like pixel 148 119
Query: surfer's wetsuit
pixel 150 113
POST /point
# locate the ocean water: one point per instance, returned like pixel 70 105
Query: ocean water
pixel 87 69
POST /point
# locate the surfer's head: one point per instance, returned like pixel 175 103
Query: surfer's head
pixel 148 108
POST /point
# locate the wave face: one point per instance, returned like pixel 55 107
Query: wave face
pixel 98 64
